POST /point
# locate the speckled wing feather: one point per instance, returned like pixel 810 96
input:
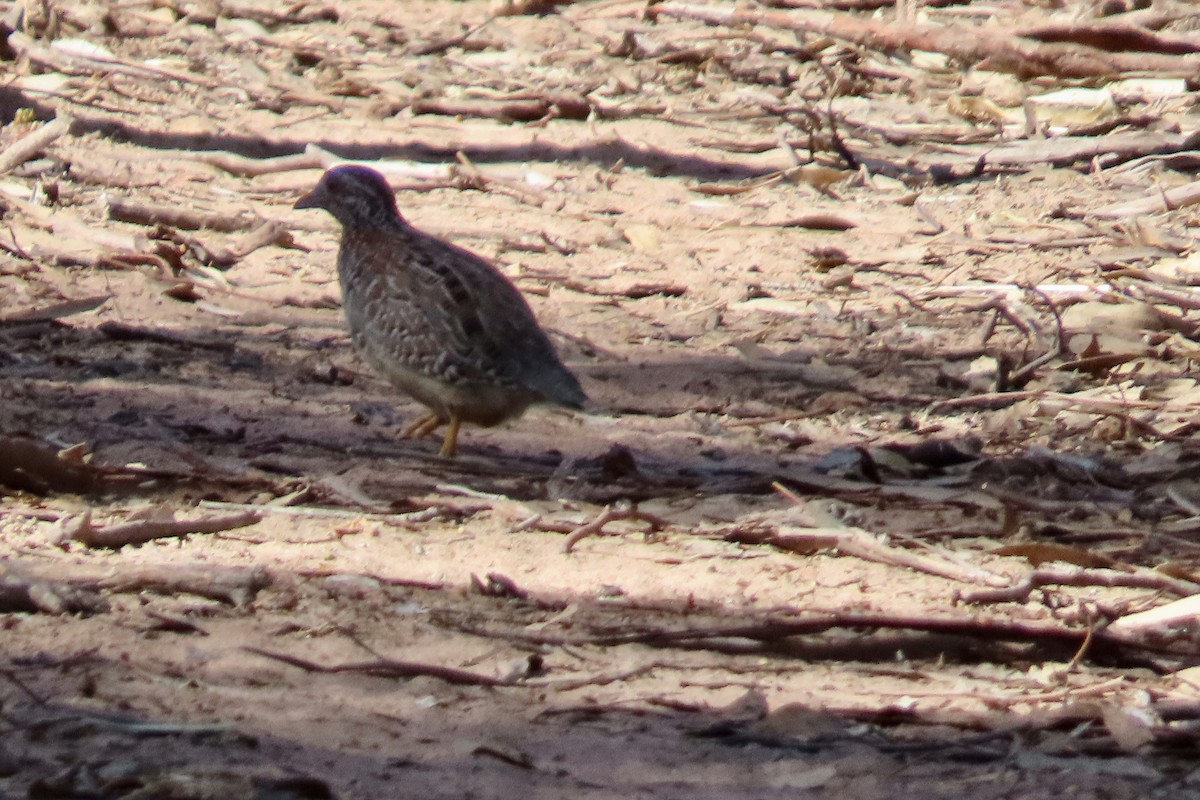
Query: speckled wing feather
pixel 496 326
pixel 442 311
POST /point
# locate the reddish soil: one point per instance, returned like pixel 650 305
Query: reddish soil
pixel 730 335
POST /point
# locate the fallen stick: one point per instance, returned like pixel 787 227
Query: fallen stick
pixel 33 143
pixel 1184 298
pixel 67 308
pixel 1079 576
pixel 267 14
pixel 772 632
pixel 419 170
pixel 271 232
pixel 123 332
pixel 393 169
pixel 1050 401
pixel 62 58
pixel 861 544
pixel 314 512
pixel 1000 629
pixel 62 233
pixel 236 586
pixel 390 668
pixel 252 167
pixel 23 594
pixel 79 528
pixel 843 487
pixel 516 109
pixel 1162 200
pixel 1061 151
pixel 176 216
pixel 612 514
pixel 1112 36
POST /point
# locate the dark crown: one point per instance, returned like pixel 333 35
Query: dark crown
pixel 355 194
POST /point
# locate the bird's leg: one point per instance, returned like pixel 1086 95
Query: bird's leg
pixel 424 425
pixel 450 442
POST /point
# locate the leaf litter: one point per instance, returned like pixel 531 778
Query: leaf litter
pixel 888 487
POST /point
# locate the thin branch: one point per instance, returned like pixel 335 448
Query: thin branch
pixel 390 668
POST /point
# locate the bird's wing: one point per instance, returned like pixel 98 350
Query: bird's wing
pixel 491 332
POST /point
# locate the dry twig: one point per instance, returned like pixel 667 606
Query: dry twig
pixel 34 142
pixel 390 668
pixel 612 513
pixel 862 544
pixel 1020 591
pixel 79 528
pixel 233 585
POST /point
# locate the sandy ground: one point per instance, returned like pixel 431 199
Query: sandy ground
pixel 730 338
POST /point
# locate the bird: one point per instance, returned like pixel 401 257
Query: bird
pixel 441 323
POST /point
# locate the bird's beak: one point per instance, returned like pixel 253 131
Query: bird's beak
pixel 314 199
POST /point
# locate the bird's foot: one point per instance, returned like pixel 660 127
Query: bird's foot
pixel 425 425
pixel 450 442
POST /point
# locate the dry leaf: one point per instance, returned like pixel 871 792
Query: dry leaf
pixel 1129 727
pixel 643 238
pixel 1074 106
pixel 817 176
pixel 976 109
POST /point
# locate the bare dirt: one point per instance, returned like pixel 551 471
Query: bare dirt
pixel 931 369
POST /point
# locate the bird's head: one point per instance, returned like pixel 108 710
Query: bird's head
pixel 354 194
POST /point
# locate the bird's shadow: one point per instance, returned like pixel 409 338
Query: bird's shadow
pixel 299 407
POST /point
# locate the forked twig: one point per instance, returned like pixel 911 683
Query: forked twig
pixel 613 513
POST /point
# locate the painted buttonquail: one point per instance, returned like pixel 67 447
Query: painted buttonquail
pixel 439 322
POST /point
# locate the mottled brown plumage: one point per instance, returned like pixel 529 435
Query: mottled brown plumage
pixel 438 321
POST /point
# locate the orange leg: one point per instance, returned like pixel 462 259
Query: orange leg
pixel 450 442
pixel 424 425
